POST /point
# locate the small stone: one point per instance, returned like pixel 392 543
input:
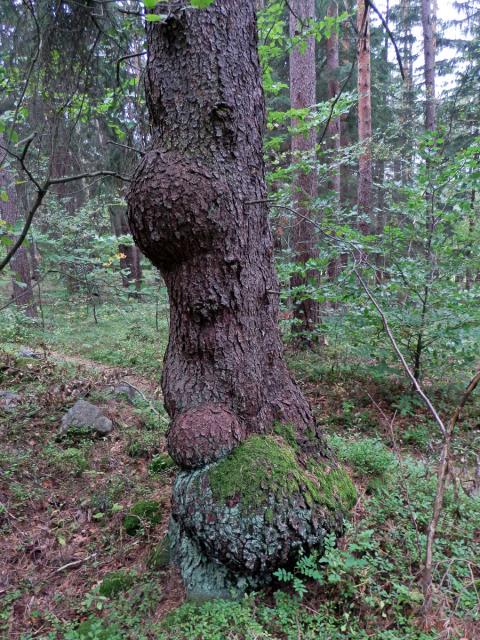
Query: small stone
pixel 9 400
pixel 124 390
pixel 86 415
pixel 28 353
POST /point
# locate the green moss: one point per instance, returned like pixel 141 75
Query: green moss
pixel 265 465
pixel 336 487
pixel 159 557
pixel 287 432
pixel 143 512
pixel 116 582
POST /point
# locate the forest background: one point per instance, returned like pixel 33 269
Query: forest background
pixel 376 186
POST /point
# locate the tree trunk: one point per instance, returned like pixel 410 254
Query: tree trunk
pixel 429 50
pixel 365 178
pixel 197 210
pixel 333 63
pixel 130 264
pixel 303 94
pixel 20 264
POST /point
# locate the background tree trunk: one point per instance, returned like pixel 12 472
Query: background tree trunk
pixel 365 174
pixel 20 264
pixel 131 262
pixel 303 94
pixel 429 50
pixel 333 64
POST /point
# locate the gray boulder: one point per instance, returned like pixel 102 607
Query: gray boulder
pixel 86 414
pixel 9 400
pixel 28 353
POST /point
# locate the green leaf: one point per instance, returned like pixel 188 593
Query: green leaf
pixel 4 196
pixel 154 17
pixel 150 4
pixel 201 4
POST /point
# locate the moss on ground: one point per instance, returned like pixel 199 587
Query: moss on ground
pixel 116 582
pixel 143 512
pixel 263 466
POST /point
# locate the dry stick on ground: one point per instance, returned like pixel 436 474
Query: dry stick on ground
pixel 442 474
pixel 446 430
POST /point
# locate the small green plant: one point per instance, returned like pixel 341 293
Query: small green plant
pixel 161 462
pixel 94 629
pixel 159 557
pixel 418 436
pixel 368 457
pixel 71 460
pixel 143 514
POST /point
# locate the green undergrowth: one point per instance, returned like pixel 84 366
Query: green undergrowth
pixel 263 466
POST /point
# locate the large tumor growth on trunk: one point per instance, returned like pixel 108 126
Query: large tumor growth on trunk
pixel 257 483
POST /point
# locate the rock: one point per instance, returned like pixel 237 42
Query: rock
pixel 124 390
pixel 9 400
pixel 85 414
pixel 28 353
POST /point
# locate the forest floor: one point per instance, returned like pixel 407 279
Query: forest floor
pixel 64 500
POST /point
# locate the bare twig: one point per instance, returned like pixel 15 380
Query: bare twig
pixel 390 35
pixel 127 57
pixel 126 146
pixel 42 191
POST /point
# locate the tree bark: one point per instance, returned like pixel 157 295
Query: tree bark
pixel 333 64
pixel 22 289
pixel 130 264
pixel 303 94
pixel 365 174
pixel 197 210
pixel 429 50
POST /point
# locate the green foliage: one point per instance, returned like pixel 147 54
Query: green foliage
pixel 94 629
pixel 368 457
pixel 161 462
pixel 215 620
pixel 71 460
pixel 116 582
pixel 143 514
pixel 159 556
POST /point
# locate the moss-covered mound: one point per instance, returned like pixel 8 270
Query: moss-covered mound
pixel 255 510
pixel 265 466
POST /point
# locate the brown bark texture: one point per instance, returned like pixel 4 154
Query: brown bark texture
pixel 191 213
pixel 22 289
pixel 429 50
pixel 365 173
pixel 303 94
pixel 130 264
pixel 197 210
pixel 333 88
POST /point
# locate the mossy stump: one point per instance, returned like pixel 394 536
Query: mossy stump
pixel 236 521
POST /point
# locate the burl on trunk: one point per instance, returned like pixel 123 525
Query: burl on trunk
pixel 257 482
